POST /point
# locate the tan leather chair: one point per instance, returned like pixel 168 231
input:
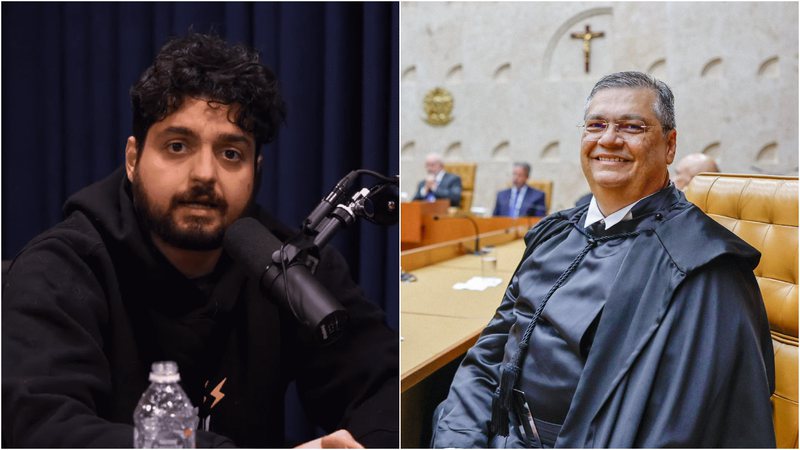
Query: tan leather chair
pixel 762 210
pixel 467 173
pixel 545 186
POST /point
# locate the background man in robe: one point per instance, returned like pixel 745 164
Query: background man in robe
pixel 632 321
pixel 690 165
pixel 438 184
pixel 136 273
pixel 520 199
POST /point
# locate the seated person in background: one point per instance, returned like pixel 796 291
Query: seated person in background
pixel 633 321
pixel 520 199
pixel 136 273
pixel 691 165
pixel 438 184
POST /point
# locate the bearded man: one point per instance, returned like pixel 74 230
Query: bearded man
pixel 136 273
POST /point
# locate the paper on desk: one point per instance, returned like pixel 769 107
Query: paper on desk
pixel 478 283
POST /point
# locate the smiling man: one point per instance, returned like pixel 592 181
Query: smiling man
pixel 633 321
pixel 136 273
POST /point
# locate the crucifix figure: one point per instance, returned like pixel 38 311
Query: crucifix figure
pixel 587 37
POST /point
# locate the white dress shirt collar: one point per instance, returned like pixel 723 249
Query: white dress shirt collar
pixel 594 215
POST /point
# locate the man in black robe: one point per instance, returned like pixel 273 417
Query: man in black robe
pixel 631 321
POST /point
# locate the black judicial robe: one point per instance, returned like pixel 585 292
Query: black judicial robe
pixel 681 357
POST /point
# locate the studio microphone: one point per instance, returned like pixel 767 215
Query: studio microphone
pixel 478 250
pixel 250 244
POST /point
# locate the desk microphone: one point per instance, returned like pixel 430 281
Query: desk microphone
pixel 478 250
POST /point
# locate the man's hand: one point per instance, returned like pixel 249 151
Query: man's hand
pixel 337 439
pixel 430 182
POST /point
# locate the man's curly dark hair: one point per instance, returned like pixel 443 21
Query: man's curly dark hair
pixel 205 66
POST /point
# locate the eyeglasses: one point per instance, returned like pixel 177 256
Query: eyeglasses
pixel 595 129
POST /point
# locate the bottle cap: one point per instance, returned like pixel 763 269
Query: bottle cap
pixel 164 372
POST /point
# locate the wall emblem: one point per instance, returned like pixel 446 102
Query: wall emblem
pixel 438 104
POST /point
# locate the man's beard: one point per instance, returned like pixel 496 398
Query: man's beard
pixel 197 236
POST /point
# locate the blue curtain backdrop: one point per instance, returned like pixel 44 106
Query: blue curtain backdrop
pixel 67 69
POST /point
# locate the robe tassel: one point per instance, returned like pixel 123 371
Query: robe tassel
pixel 508 380
pixel 501 399
pixel 499 424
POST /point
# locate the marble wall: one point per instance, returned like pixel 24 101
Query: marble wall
pixel 519 86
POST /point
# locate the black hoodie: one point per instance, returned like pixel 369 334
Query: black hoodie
pixel 90 304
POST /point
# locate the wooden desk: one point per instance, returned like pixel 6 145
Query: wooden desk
pixel 424 223
pixel 441 320
pixel 411 214
pixel 508 256
pixel 445 228
pixel 431 341
pixel 432 254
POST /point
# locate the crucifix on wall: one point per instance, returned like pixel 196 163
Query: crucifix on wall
pixel 587 37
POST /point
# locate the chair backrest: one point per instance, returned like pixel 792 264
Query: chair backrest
pixel 467 173
pixel 762 210
pixel 545 186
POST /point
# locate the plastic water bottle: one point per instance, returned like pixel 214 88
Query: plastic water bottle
pixel 164 417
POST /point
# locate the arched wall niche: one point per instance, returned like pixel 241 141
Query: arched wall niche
pixel 566 28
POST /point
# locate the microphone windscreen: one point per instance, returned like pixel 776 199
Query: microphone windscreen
pixel 250 244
